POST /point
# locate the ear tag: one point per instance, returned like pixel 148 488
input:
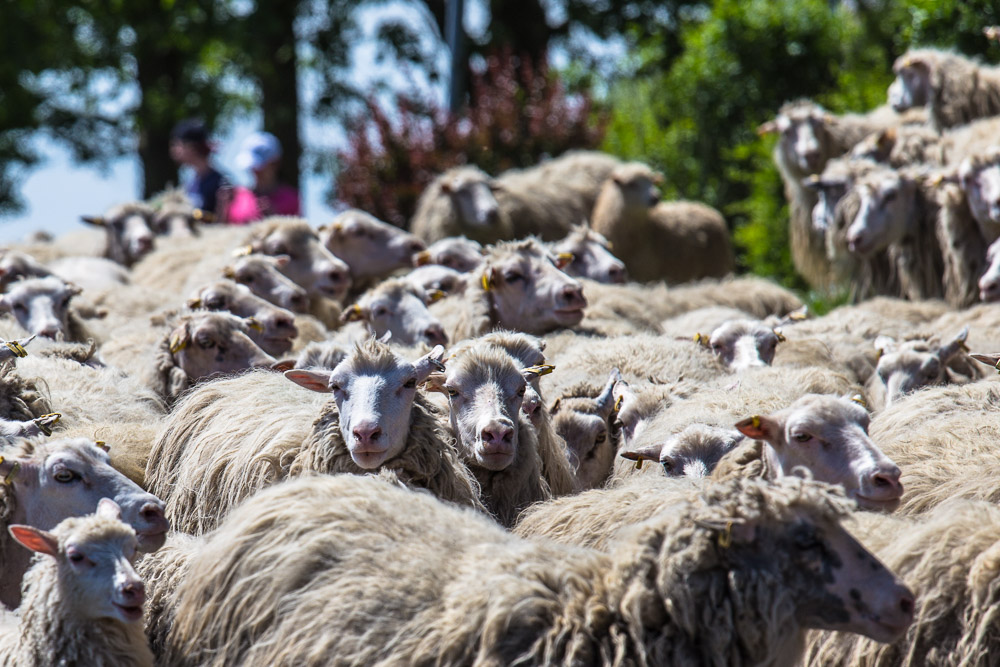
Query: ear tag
pixel 16 348
pixel 859 399
pixel 555 406
pixel 611 246
pixel 103 445
pixel 243 251
pixel 486 282
pixel 435 295
pixel 177 344
pixel 726 536
pixel 755 421
pixel 194 303
pixel 541 369
pixel 638 463
pixel 254 324
pixel 9 477
pixel 229 273
pixel 354 313
pixel 437 365
pixel 336 226
pixel 781 336
pixel 618 403
pixel 45 422
pixel 564 259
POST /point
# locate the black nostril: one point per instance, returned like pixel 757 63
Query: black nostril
pixel 906 605
pixel 151 512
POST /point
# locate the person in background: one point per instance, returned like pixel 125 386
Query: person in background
pixel 189 147
pixel 261 154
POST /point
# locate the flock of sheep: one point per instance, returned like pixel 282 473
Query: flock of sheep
pixel 481 443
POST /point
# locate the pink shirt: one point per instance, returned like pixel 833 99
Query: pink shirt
pixel 247 206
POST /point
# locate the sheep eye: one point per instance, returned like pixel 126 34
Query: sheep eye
pixel 520 392
pixel 801 437
pixel 64 476
pixel 20 307
pixel 453 393
pixel 512 276
pixel 601 438
pixel 215 303
pixel 380 311
pixel 206 343
pixel 75 556
pixel 411 383
pixel 334 387
pixel 668 466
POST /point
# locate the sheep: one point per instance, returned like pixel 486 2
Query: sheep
pixel 906 367
pixel 548 199
pixel 82 597
pixel 460 202
pixel 518 288
pixel 371 248
pixel 955 89
pixel 672 241
pixel 979 176
pixel 904 146
pixel 485 387
pixel 176 217
pixel 898 211
pixel 262 274
pixel 943 439
pixel 454 252
pixel 47 482
pixel 585 422
pixel 732 577
pixel 201 345
pixel 128 232
pixel 398 308
pixel 225 440
pixel 325 354
pixel 15 265
pixel 90 273
pixel 272 328
pixel 528 352
pixel 310 264
pixel 949 558
pixel 591 256
pixel 435 278
pixel 42 307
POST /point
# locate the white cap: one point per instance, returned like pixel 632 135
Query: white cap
pixel 257 150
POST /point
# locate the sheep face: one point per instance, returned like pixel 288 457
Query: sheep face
pixel 398 308
pixel 981 184
pixel 585 425
pixel 67 477
pixel 886 212
pixel 529 293
pixel 912 85
pixel 374 392
pixel 16 265
pixel 989 283
pixel 694 452
pixel 591 256
pixel 129 233
pixel 209 344
pixel 95 558
pixel 637 184
pixel 263 276
pixel 906 367
pixel 434 278
pixel 456 252
pixel 370 247
pixel 41 305
pixel 176 223
pixel 529 352
pixel 828 191
pixel 803 140
pixel 485 390
pixel 828 436
pixel 310 264
pixel 471 193
pixel 274 328
pixel 742 344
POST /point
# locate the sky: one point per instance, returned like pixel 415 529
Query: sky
pixel 58 192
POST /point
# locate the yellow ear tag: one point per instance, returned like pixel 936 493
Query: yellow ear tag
pixel 14 469
pixel 228 273
pixel 45 422
pixel 194 303
pixel 618 403
pixel 243 251
pixel 541 369
pixel 781 336
pixel 486 282
pixel 726 536
pixel 755 421
pixel 103 445
pixel 435 295
pixel 254 324
pixel 638 463
pixel 16 348
pixel 177 344
pixel 354 313
pixel 859 399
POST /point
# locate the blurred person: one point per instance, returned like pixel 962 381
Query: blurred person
pixel 261 154
pixel 189 147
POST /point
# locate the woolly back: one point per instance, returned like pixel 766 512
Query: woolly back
pixel 296 229
pixel 20 398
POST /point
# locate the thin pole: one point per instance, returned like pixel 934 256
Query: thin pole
pixel 453 34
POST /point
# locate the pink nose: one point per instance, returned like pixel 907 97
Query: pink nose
pixel 616 273
pixel 134 592
pixel 885 483
pixel 281 323
pixel 51 330
pixel 572 296
pixel 298 302
pixel 366 433
pixel 435 335
pixel 497 437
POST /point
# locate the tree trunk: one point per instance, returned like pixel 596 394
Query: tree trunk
pixel 159 81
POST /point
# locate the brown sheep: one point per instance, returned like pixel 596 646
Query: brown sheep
pixel 672 241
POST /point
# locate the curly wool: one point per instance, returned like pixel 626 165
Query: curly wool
pixel 226 440
pixel 321 558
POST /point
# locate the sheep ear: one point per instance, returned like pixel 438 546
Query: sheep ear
pixel 563 260
pixel 496 186
pixel 109 509
pixel 446 186
pixel 179 338
pixel 352 314
pixel 283 365
pixel 639 454
pixel 489 279
pixel 770 127
pixel 988 359
pixel 193 303
pixel 35 539
pixel 885 345
pixel 281 261
pixel 435 382
pixel 429 363
pixel 95 220
pixel 606 399
pixel 956 345
pixel 421 258
pixel 434 295
pixel 5 304
pixel 760 428
pixel 315 380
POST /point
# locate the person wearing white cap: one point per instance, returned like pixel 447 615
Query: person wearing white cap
pixel 261 154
